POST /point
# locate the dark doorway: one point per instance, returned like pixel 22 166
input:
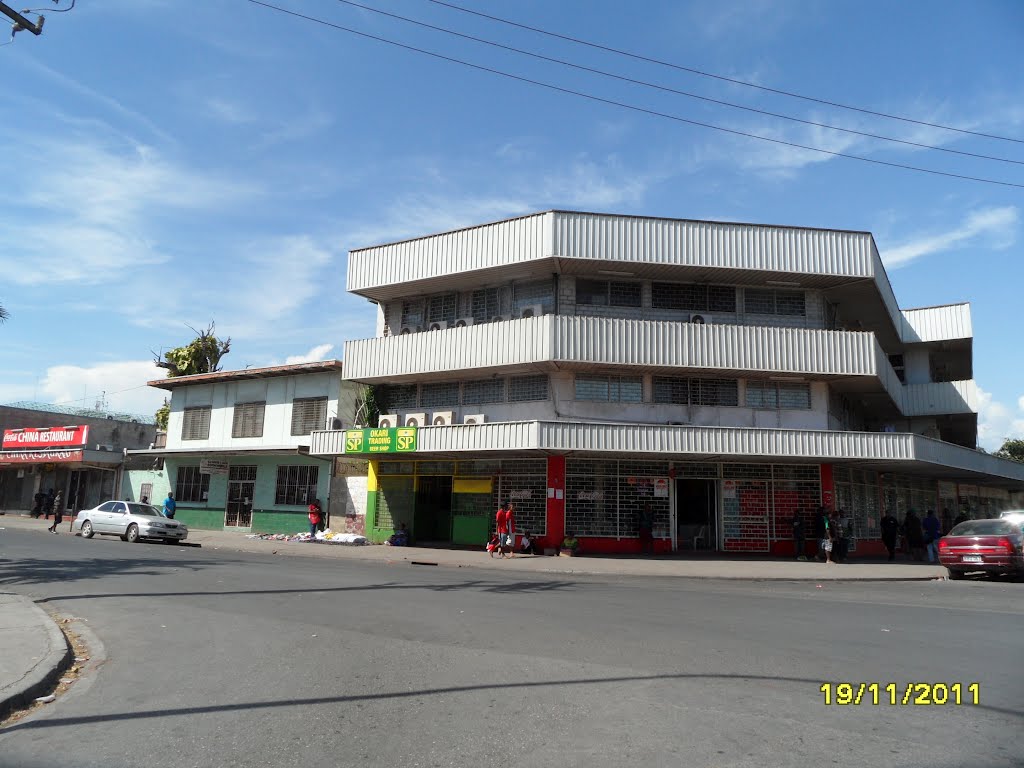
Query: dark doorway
pixel 432 520
pixel 696 514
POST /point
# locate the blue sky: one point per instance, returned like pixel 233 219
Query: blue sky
pixel 168 164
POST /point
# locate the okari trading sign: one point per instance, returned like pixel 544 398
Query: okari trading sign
pixel 384 440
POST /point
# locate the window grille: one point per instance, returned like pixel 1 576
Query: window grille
pixel 616 389
pixel 247 420
pixel 296 485
pixel 523 389
pixel 604 293
pixel 486 304
pixel 689 296
pixel 190 485
pixel 766 301
pixel 671 390
pixel 624 294
pixel 537 292
pixel 195 423
pixel 770 394
pixel 714 392
pixel 308 413
pixel 399 396
pixel 412 312
pixel 484 391
pixel 441 309
pixel 439 393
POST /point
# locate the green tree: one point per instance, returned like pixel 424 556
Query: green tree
pixel 202 355
pixel 369 405
pixel 1012 450
pixel 163 413
pixel 4 314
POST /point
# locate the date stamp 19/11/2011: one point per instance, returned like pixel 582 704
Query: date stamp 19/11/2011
pixel 901 694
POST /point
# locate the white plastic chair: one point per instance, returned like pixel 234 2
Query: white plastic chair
pixel 702 536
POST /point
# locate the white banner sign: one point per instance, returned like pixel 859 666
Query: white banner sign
pixel 213 466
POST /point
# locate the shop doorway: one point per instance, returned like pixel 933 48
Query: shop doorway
pixel 241 489
pixel 432 519
pixel 697 514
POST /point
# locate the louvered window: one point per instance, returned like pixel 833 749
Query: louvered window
pixel 616 389
pixel 486 304
pixel 248 420
pixel 766 301
pixel 483 391
pixel 604 293
pixel 523 389
pixel 195 423
pixel 693 297
pixel 308 413
pixel 714 392
pixel 771 394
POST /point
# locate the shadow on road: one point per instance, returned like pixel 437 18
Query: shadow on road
pixel 36 570
pixel 162 714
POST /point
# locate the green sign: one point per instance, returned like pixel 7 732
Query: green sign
pixel 384 440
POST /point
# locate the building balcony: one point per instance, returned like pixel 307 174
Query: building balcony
pixel 940 398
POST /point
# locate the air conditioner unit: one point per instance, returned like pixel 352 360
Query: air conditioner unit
pixel 700 318
pixel 414 420
pixel 407 329
pixel 500 318
pixel 474 418
pixel 442 418
pixel 462 322
pixel 533 310
pixel 387 420
pixel 438 326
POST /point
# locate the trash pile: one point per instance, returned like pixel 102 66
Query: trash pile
pixel 322 537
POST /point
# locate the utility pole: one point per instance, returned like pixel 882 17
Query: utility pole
pixel 20 22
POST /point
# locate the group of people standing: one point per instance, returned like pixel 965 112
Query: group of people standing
pixel 833 531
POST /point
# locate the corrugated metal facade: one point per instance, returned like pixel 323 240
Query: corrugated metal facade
pixel 682 441
pixel 614 342
pixel 940 398
pixel 711 244
pixel 466 250
pixel 937 323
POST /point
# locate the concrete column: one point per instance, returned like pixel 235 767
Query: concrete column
pixel 556 501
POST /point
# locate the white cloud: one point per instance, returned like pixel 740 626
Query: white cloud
pixel 998 422
pixel 88 211
pixel 314 355
pixel 997 226
pixel 82 386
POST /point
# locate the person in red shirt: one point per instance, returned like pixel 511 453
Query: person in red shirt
pixel 501 521
pixel 510 523
pixel 315 516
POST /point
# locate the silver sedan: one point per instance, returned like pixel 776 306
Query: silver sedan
pixel 129 520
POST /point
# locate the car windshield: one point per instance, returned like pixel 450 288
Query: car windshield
pixel 983 528
pixel 144 509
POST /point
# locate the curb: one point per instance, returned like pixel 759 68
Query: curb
pixel 44 676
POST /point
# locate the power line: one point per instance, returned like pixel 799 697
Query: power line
pixel 734 81
pixel 632 107
pixel 667 89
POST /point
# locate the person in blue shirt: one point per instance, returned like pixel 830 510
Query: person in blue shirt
pixel 932 534
pixel 170 506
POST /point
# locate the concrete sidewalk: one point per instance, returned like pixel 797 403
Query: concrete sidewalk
pixel 35 652
pixel 712 565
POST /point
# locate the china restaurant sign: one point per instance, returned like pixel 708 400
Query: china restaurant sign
pixel 45 437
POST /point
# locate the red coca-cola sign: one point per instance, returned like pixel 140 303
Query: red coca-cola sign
pixel 45 437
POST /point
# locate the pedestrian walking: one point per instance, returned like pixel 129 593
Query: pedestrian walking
pixel 170 506
pixel 890 533
pixel 915 535
pixel 37 508
pixel 501 524
pixel 48 503
pixel 645 528
pixel 932 534
pixel 821 531
pixel 316 516
pixel 58 512
pixel 799 539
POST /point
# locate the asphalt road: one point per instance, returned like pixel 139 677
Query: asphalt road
pixel 228 659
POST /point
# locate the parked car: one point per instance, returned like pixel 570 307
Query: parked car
pixel 129 520
pixel 1013 515
pixel 990 546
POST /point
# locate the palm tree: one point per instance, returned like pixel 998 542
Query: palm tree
pixel 4 314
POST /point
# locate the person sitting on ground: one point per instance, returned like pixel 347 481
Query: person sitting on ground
pixel 400 538
pixel 528 546
pixel 570 545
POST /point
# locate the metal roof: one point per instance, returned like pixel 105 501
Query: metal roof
pixel 248 373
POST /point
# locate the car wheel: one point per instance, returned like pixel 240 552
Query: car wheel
pixel 87 531
pixel 168 541
pixel 132 534
pixel 954 575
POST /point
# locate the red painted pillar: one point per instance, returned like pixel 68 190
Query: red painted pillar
pixel 556 501
pixel 828 487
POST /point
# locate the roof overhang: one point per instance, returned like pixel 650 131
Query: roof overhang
pixel 269 450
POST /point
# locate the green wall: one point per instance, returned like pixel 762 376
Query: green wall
pixel 267 516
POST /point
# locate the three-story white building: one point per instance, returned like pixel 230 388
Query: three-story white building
pixel 728 375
